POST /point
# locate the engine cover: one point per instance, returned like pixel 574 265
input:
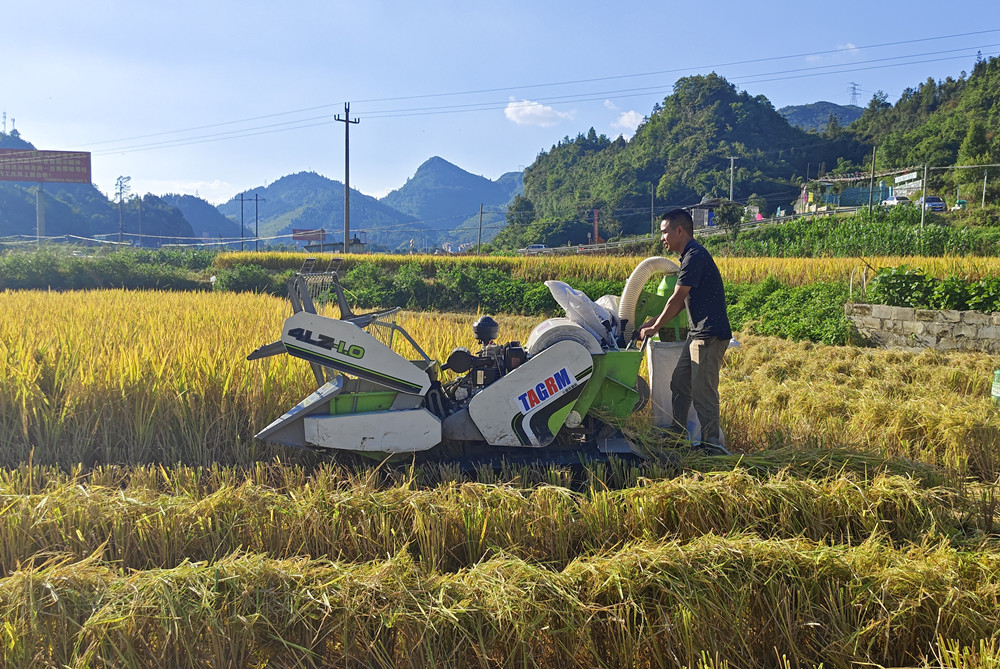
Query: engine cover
pixel 528 406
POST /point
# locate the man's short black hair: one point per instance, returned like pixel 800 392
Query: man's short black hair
pixel 679 218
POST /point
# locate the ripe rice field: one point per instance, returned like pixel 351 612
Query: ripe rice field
pixel 141 526
pixel 792 271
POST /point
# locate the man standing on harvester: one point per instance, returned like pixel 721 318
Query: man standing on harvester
pixel 699 288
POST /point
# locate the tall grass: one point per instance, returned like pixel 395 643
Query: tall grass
pixel 141 377
pixel 931 407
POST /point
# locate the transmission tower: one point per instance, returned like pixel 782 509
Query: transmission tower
pixel 853 89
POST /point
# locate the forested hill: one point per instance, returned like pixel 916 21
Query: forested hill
pixel 207 220
pixel 309 201
pixel 444 196
pixel 682 150
pixel 949 122
pixel 816 115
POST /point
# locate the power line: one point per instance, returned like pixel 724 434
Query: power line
pixel 296 124
pixel 300 124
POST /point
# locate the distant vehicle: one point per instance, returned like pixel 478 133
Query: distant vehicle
pixel 533 248
pixel 934 203
pixel 895 200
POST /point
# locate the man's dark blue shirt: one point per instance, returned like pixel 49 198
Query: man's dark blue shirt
pixel 706 302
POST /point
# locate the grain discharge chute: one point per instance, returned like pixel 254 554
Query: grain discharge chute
pixel 556 398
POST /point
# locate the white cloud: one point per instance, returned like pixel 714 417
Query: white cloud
pixel 526 112
pixel 840 51
pixel 608 104
pixel 627 122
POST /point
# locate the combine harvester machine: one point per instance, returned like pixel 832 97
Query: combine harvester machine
pixel 553 399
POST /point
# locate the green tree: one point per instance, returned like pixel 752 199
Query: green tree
pixel 521 211
pixel 729 217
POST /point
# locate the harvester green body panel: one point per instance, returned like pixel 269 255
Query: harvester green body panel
pixel 650 305
pixel 362 402
pixel 611 388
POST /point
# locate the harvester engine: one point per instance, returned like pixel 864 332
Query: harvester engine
pixel 482 369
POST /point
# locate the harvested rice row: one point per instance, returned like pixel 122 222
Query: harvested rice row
pixel 738 600
pixel 457 525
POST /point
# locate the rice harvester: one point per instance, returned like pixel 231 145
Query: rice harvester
pixel 556 398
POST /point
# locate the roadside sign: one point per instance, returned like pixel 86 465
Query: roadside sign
pixel 906 177
pixel 310 235
pixel 909 187
pixel 68 167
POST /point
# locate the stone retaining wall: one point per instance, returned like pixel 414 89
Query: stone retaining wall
pixel 917 329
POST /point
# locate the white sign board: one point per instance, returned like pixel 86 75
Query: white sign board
pixel 906 177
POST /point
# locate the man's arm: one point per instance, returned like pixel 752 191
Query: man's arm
pixel 674 306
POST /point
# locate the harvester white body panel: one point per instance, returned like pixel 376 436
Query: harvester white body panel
pixel 344 346
pixel 529 405
pixel 397 431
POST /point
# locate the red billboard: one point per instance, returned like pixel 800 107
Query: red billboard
pixel 68 167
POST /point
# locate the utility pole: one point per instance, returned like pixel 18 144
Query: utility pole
pixel 40 212
pixel 139 202
pixel 652 211
pixel 346 120
pixel 731 159
pixel 871 187
pixel 479 244
pixel 923 205
pixel 241 221
pixel 256 222
pixel 985 171
pixel 122 185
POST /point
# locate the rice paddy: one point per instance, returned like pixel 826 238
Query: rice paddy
pixel 142 526
pixel 792 271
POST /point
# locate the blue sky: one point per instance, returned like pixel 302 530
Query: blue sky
pixel 216 98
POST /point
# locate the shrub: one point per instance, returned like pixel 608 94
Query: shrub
pixel 246 279
pixel 901 286
pixel 814 312
pixel 984 295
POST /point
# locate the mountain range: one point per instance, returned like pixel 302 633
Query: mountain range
pixel 440 203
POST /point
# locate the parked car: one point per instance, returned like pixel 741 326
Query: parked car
pixel 934 203
pixel 532 248
pixel 895 200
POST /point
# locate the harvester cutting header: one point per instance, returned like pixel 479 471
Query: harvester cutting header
pixel 557 396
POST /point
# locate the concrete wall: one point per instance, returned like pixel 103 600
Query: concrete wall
pixel 916 329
